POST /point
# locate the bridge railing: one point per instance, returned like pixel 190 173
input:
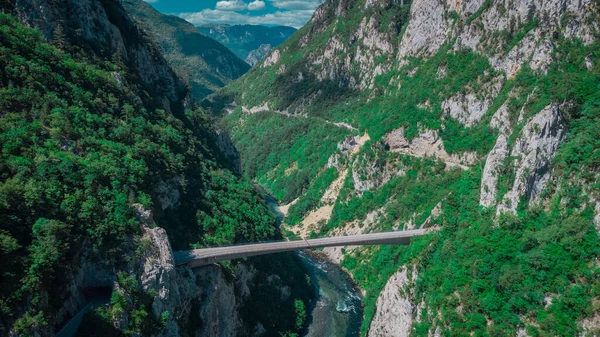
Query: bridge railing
pixel 299 239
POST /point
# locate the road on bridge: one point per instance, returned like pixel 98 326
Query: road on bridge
pixel 200 257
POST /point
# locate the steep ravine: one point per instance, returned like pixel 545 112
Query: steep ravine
pixel 336 310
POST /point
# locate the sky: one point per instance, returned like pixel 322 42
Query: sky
pixel 294 13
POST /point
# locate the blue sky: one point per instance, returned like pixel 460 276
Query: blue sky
pixel 293 13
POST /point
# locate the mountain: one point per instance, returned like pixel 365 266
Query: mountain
pixel 106 167
pixel 476 118
pixel 204 63
pixel 249 42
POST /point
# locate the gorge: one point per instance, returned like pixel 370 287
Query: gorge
pixel 127 134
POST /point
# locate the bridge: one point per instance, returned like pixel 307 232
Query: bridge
pixel 201 257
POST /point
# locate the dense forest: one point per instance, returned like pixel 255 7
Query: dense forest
pixel 83 156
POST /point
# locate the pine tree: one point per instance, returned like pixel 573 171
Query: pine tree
pixel 59 38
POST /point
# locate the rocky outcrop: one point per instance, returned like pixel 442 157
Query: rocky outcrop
pixel 496 157
pixel 272 59
pixel 205 300
pixel 218 305
pixel 489 179
pixel 469 106
pixel 350 61
pixel 427 30
pixel 168 193
pixel 533 152
pixel 173 288
pixel 426 144
pixel 396 309
pixel 371 170
pixel 92 273
pixel 103 29
pixel 258 54
pixel 597 217
pixel 480 20
pixel 590 326
pixel 466 108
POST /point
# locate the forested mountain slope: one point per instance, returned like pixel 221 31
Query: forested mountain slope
pixel 201 61
pixel 99 146
pixel 477 117
pixel 249 42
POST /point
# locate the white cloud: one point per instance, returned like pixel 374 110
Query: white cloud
pixel 294 18
pixel 256 5
pixel 296 4
pixel 231 5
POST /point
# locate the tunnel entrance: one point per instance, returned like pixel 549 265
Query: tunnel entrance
pixel 94 297
pixel 93 293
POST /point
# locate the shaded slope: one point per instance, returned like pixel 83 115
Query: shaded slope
pixel 251 43
pixel 204 63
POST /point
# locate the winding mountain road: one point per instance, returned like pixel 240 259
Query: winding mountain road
pixel 200 257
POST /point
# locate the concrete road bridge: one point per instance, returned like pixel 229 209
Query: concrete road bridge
pixel 201 257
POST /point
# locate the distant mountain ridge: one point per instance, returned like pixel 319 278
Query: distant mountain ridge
pixel 205 63
pixel 251 43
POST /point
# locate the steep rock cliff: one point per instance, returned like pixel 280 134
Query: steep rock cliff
pixel 482 119
pixel 103 30
pixel 395 306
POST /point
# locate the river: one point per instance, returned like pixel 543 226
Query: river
pixel 337 310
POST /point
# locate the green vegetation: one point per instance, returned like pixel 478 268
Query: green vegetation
pixel 77 149
pixel 272 146
pixel 312 198
pixel 486 4
pixel 300 313
pixel 203 62
pixel 499 271
pixel 417 192
pixel 283 153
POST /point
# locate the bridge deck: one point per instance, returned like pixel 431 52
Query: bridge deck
pixel 201 257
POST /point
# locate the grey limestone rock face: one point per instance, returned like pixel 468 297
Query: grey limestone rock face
pixel 258 54
pixel 396 310
pixel 427 144
pixel 430 27
pixel 190 296
pixel 489 179
pixel 173 287
pixel 427 30
pixel 533 152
